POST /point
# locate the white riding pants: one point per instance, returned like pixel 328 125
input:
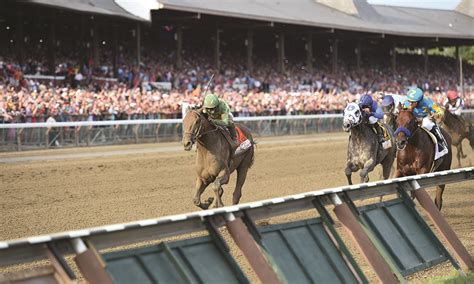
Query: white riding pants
pixel 373 120
pixel 427 123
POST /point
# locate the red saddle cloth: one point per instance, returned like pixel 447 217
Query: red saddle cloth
pixel 240 135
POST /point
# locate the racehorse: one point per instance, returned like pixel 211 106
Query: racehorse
pixel 215 159
pixel 458 131
pixel 416 151
pixel 364 151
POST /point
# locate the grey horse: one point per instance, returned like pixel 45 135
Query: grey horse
pixel 364 151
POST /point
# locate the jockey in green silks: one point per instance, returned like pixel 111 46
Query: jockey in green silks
pixel 219 113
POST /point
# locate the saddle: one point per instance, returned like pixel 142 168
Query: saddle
pixel 386 135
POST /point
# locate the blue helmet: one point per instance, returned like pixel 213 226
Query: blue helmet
pixel 366 101
pixel 387 101
pixel 414 95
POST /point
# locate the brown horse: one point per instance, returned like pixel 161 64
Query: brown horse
pixel 215 160
pixel 459 131
pixel 416 151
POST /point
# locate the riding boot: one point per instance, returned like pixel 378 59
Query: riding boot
pixel 439 136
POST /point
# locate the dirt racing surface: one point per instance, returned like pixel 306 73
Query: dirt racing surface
pixel 66 189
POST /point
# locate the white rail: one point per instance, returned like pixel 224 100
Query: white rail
pixel 168 121
pixel 158 121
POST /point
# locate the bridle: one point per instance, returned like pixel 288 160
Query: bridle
pixel 196 135
pixel 408 133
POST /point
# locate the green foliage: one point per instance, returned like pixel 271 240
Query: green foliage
pixel 466 52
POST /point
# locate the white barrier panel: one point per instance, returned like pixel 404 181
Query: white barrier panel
pixel 31 248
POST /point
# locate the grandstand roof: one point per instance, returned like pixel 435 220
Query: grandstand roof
pixel 357 15
pixel 103 7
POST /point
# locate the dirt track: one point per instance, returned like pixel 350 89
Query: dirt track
pixel 77 189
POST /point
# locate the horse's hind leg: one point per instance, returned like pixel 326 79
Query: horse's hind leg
pixel 387 166
pixel 200 187
pixel 459 154
pixel 439 196
pixel 241 176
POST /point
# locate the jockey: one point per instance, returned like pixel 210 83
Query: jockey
pixel 388 104
pixel 219 113
pixel 374 113
pixel 424 108
pixel 454 103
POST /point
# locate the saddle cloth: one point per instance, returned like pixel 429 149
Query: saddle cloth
pixel 438 154
pixel 243 143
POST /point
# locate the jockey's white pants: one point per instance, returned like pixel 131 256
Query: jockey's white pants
pixel 427 123
pixel 373 120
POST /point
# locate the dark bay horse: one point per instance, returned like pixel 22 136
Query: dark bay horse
pixel 215 160
pixel 364 151
pixel 416 151
pixel 459 131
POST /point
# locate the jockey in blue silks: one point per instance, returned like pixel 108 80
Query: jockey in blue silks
pixel 374 113
pixel 424 108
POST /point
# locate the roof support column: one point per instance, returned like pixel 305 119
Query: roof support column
pixel 458 66
pixel 394 59
pixel 281 52
pixel 358 53
pixel 19 36
pixel 217 49
pixel 82 45
pixel 179 47
pixel 309 52
pixel 139 39
pixel 425 56
pixel 334 56
pixel 52 43
pixel 95 43
pixel 249 43
pixel 114 49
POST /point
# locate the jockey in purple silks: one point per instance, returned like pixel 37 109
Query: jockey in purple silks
pixel 374 113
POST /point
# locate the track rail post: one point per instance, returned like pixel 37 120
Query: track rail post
pixel 251 250
pixel 460 251
pixel 365 245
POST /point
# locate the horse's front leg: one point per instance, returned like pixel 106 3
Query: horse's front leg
pixel 368 167
pixel 200 187
pixel 222 178
pixel 350 168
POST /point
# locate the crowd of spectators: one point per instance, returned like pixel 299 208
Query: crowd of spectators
pixel 87 93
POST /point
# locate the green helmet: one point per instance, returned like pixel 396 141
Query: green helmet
pixel 211 101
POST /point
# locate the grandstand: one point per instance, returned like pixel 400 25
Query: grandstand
pixel 268 46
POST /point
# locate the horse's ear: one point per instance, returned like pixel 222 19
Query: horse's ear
pixel 399 106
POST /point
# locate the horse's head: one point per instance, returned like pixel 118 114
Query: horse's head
pixel 192 125
pixel 407 124
pixel 352 116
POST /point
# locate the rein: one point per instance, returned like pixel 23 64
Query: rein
pixel 198 132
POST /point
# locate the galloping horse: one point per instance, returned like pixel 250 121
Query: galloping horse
pixel 416 151
pixel 458 131
pixel 215 159
pixel 364 151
